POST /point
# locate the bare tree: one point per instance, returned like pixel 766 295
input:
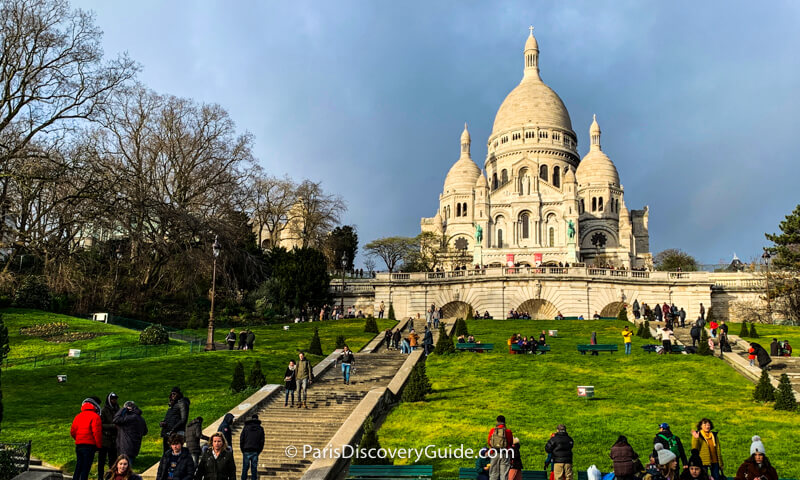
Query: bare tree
pixel 269 202
pixel 314 214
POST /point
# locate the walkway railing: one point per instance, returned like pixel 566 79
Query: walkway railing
pixel 526 271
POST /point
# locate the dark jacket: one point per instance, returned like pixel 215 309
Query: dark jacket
pixel 622 455
pixel 221 468
pixel 131 427
pixel 194 433
pixel 347 357
pixel 290 384
pixel 763 357
pixel 663 439
pixel 560 445
pixel 231 337
pixel 226 427
pixel 182 466
pixel 516 457
pixel 252 437
pixel 242 339
pixel 750 470
pixel 176 417
pixel 109 429
pixel 685 475
pixel 695 332
pixel 251 339
pixel 428 338
pixel 774 349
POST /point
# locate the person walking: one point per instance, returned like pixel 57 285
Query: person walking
pixel 694 332
pixel 347 359
pixel 682 316
pixel 177 463
pixel 624 458
pixel 627 335
pixel 122 470
pixel 381 308
pixel 706 441
pixel 657 312
pixel 396 339
pixel 216 463
pixel 226 429
pixel 636 310
pixel 231 339
pixel 670 441
pixel 177 416
pixel 251 339
pixel 304 376
pixel 387 338
pixel 500 440
pixel 194 433
pixel 251 442
pixel 560 446
pixel 242 340
pixel 107 454
pixel 593 341
pixel 131 428
pixel 290 382
pixel 666 340
pixel 757 466
pixel 413 339
pixel 427 341
pixel 515 470
pixel 702 311
pixel 87 430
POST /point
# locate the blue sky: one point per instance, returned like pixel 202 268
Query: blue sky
pixel 698 101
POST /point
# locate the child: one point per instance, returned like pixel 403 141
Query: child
pixel 751 355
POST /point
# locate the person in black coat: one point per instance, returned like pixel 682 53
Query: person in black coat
pixel 221 467
pixel 226 428
pixel 560 447
pixel 695 334
pixel 194 433
pixel 251 442
pixel 387 338
pixel 177 463
pixel 177 416
pixel 251 339
pixel 242 340
pixel 131 427
pixel 396 339
pixel 762 355
pixel 290 382
pixel 665 437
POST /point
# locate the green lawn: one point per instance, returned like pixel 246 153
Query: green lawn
pixel 40 409
pixel 767 332
pixel 633 395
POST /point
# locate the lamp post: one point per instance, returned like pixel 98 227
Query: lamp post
pixel 210 340
pixel 766 256
pixel 341 305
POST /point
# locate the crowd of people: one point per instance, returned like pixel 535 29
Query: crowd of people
pixel 246 338
pixel 527 344
pixel 500 459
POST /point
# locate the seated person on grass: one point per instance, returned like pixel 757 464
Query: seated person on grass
pixel 486 315
pixel 460 339
pixel 471 339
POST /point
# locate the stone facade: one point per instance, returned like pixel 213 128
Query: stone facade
pixel 538 203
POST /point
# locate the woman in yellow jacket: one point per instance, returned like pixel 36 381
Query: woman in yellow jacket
pixel 706 441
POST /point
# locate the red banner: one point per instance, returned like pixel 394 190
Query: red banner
pixel 537 259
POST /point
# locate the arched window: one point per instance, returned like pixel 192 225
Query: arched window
pixel 551 237
pixel 583 206
pixel 504 177
pixel 594 204
pixel 556 177
pixel 464 209
pixel 499 238
pixel 458 209
pixel 494 181
pixel 523 220
pixel 543 172
pixel 600 204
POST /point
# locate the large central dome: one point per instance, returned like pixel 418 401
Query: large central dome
pixel 531 103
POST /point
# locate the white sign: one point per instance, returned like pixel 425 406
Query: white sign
pixel 100 317
pixel 74 352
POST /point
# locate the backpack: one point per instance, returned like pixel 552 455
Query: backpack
pixel 498 439
pixel 672 443
pixel 700 323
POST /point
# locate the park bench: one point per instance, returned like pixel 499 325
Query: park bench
pixel 472 474
pixel 539 348
pixel 475 347
pixel 578 318
pixel 390 472
pixel 597 348
pixel 675 348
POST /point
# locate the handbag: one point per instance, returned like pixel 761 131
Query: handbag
pixel 637 465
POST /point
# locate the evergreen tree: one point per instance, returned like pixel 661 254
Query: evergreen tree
pixel 461 327
pixel 764 391
pixel 315 348
pixel 369 441
pixel 703 349
pixel 391 312
pixel 470 313
pixel 4 349
pixel 786 255
pixel 418 384
pixel 784 397
pixel 623 314
pixel 444 345
pixel 646 330
pixel 257 378
pixel 370 325
pixel 640 330
pixel 744 333
pixel 238 383
pixel 753 333
pixel 340 341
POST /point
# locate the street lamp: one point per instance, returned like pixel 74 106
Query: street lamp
pixel 341 306
pixel 210 340
pixel 766 256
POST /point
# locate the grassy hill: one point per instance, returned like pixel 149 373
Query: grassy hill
pixel 634 394
pixel 40 409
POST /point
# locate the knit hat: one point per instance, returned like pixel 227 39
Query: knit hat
pixel 694 459
pixel 664 456
pixel 757 445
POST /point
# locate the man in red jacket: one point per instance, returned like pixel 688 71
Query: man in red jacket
pixel 500 441
pixel 87 430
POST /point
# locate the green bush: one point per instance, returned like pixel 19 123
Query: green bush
pixel 444 345
pixel 703 349
pixel 33 293
pixel 646 330
pixel 315 348
pixel 238 383
pixel 764 391
pixel 371 326
pixel 195 321
pixel 640 330
pixel 461 327
pixel 744 333
pixel 154 335
pixel 623 314
pixel 257 378
pixel 470 313
pixel 391 312
pixel 8 468
pixel 418 384
pixel 369 441
pixel 340 341
pixel 753 333
pixel 784 397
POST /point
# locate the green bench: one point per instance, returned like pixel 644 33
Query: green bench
pixel 578 318
pixel 539 349
pixel 390 472
pixel 472 474
pixel 475 347
pixel 675 348
pixel 597 348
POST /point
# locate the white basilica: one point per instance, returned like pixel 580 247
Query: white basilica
pixel 539 202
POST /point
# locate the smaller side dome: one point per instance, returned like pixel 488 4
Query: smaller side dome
pixel 596 168
pixel 481 182
pixel 464 173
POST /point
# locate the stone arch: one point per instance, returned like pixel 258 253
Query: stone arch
pixel 538 309
pixel 456 309
pixel 611 310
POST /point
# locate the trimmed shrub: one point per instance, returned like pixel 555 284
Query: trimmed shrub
pixel 257 378
pixel 703 349
pixel 340 341
pixel 444 345
pixel 33 293
pixel 753 333
pixel 315 348
pixel 784 397
pixel 418 384
pixel 470 313
pixel 646 330
pixel 744 333
pixel 371 326
pixel 154 335
pixel 764 391
pixel 369 441
pixel 461 327
pixel 640 330
pixel 390 315
pixel 237 383
pixel 623 314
